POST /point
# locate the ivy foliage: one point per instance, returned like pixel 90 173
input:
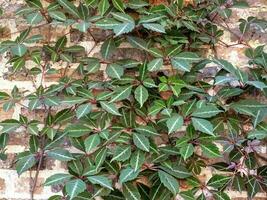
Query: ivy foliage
pixel 152 124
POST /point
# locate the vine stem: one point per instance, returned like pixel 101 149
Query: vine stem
pixel 37 174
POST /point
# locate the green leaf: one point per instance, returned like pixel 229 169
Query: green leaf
pixel 18 64
pixel 253 187
pixel 33 129
pixel 107 48
pixel 238 183
pixel 100 157
pixel 9 125
pixel 130 192
pixel 110 108
pixel 125 27
pixel 178 171
pixel 118 4
pixel 123 17
pixel 137 160
pixel 107 23
pixel 103 6
pixel 141 142
pixel 122 153
pixel 221 196
pixel 25 163
pixel 247 107
pixel 83 110
pixel 57 178
pixel 60 154
pixel 174 123
pixel 91 142
pixel 210 150
pixel 141 95
pixel 73 100
pixel 147 130
pixel 186 151
pixel 60 16
pixel 206 111
pixel 75 187
pixel 218 181
pixel 169 182
pixel 128 174
pixel 77 130
pixel 34 18
pixel 101 180
pixel 121 93
pixel 257 84
pixel 155 64
pixel 114 71
pixel 258 134
pixel 155 27
pixel 189 57
pixel 83 26
pixel 203 125
pixel 181 65
pixel 69 7
pixel 19 50
pixel 34 3
pixel 137 42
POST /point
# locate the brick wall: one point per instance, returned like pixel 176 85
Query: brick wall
pixel 14 187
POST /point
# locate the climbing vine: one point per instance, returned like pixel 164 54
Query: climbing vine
pixel 153 121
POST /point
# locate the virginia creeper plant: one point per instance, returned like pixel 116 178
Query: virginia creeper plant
pixel 153 122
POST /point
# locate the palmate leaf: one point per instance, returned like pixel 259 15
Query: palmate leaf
pixel 218 181
pixel 155 27
pixel 57 178
pixel 75 187
pixel 60 154
pixel 155 64
pixel 137 159
pixel 34 18
pixel 100 157
pixel 206 111
pixel 203 125
pixel 118 4
pixel 110 108
pixel 247 107
pixel 77 130
pixel 122 153
pixel 92 142
pixel 25 163
pixel 174 123
pixel 127 174
pixel 141 142
pixel 123 17
pixel 114 71
pixel 186 151
pixel 141 95
pixel 210 150
pixel 19 49
pixel 169 182
pixel 101 180
pixel 103 6
pixel 83 26
pixel 221 196
pixel 121 93
pixel 130 192
pixel 125 27
pixel 107 48
pixel 57 15
pixel 138 42
pixel 83 110
pixel 69 6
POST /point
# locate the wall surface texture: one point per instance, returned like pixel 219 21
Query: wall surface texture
pixel 14 187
